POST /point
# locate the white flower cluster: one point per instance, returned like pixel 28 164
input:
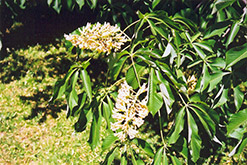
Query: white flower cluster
pixel 129 112
pixel 99 37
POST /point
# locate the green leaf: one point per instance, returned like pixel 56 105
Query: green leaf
pixel 144 145
pixel 175 160
pixel 80 3
pixel 215 79
pixel 238 97
pixel 118 67
pixel 236 120
pixel 57 6
pixel 199 52
pixel 223 98
pixel 108 141
pixel 81 124
pixel 179 126
pixel 131 78
pixel 195 141
pixel 242 144
pixel 205 78
pixel 204 46
pixel 170 50
pixel 94 138
pixel 110 156
pixel 71 94
pixel 49 2
pixel 124 159
pixel 204 118
pixel 154 99
pixel 155 3
pixel 86 83
pixel 107 113
pixel 236 54
pixel 217 29
pixel 158 156
pixel 152 26
pixel 70 4
pixel 92 3
pixel 133 157
pixel 234 31
pixel 221 4
pixel 166 93
pixel 72 99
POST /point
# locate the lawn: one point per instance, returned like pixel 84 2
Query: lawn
pixel 32 130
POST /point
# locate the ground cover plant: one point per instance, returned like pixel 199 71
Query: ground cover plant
pixel 168 87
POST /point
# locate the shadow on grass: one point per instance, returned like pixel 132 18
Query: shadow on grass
pixel 42 105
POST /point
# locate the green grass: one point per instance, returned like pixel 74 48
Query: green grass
pixel 31 129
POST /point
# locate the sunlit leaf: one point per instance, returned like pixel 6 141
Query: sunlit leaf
pixel 86 83
pixel 234 31
pixel 238 97
pixel 236 120
pixel 195 141
pixel 80 3
pixel 108 141
pixel 154 99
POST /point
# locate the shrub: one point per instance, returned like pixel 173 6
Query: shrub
pixel 195 75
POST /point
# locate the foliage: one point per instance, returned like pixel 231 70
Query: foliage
pixel 196 76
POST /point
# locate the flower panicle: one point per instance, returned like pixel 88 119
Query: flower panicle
pixel 129 112
pixel 100 37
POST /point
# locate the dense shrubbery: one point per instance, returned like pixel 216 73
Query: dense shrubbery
pixel 183 63
pixel 186 67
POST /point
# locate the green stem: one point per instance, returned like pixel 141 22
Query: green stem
pixel 131 25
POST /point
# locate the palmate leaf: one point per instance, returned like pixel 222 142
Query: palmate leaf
pixel 236 54
pixel 202 113
pixel 236 120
